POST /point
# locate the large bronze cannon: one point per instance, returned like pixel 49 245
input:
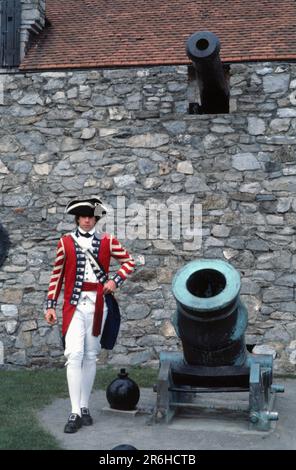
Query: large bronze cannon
pixel 211 321
pixel 203 49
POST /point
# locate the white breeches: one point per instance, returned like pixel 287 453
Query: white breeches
pixel 81 352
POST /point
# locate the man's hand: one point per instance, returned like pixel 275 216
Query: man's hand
pixel 50 316
pixel 109 287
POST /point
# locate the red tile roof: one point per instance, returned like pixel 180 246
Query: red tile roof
pixel 109 33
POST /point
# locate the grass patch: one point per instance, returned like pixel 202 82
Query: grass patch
pixel 284 376
pixel 23 392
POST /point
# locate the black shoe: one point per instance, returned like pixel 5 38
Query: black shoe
pixel 86 417
pixel 73 424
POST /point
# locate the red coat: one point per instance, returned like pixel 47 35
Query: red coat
pixel 69 267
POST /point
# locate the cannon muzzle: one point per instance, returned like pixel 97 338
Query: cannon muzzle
pixel 203 49
pixel 210 319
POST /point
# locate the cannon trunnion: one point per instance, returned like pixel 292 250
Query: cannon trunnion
pixel 211 321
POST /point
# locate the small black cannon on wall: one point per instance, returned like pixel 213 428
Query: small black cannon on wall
pixel 203 49
pixel 211 321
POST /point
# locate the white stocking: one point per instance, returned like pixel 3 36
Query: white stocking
pixel 74 376
pixel 88 378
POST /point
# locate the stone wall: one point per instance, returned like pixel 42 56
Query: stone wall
pixel 126 132
pixel 32 21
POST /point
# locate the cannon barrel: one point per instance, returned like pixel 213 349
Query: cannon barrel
pixel 203 49
pixel 210 318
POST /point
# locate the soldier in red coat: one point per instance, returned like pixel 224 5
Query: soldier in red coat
pixel 89 308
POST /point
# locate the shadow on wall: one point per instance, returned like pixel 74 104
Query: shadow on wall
pixel 4 244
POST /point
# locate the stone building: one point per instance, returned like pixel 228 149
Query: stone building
pixel 95 101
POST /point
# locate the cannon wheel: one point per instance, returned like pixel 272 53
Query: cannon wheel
pixel 4 244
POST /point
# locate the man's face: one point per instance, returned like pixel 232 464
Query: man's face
pixel 86 223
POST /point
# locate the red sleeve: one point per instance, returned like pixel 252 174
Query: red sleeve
pixel 57 276
pixel 128 264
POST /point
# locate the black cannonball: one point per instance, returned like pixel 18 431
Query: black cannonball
pixel 124 447
pixel 123 393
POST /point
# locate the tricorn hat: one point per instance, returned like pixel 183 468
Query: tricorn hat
pixel 90 206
